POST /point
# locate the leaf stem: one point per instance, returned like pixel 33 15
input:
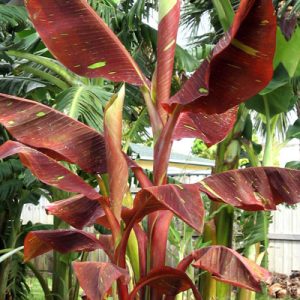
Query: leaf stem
pixel 268 155
pixel 48 63
pixel 46 76
pixel 225 12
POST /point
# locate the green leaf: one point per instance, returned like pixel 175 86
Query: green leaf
pixel 293 165
pixel 279 100
pixel 287 53
pixel 294 131
pixel 13 16
pixel 280 78
pixel 84 103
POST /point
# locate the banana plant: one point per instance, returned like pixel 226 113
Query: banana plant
pixel 238 68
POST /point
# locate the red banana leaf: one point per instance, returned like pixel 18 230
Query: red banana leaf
pixel 116 161
pixel 168 281
pixel 210 128
pixel 160 232
pixel 169 15
pixel 78 211
pixel 96 279
pixel 48 170
pixel 139 173
pixel 62 137
pixel 183 200
pixel 82 41
pixel 228 266
pixel 142 244
pixel 63 241
pixel 254 188
pixel 240 65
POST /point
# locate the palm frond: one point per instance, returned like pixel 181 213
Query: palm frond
pixel 251 229
pixel 13 17
pixel 197 11
pixel 84 103
pixel 137 131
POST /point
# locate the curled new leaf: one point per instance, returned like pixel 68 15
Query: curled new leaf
pixel 96 279
pixel 229 266
pixel 63 241
pixel 168 281
pixel 48 170
pixel 183 200
pixel 62 137
pixel 72 30
pixel 116 161
pixel 240 65
pixel 210 128
pixel 78 211
pixel 254 188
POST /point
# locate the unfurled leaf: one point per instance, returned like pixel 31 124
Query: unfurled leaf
pixel 160 232
pixel 183 200
pixel 287 52
pixel 63 241
pixel 254 188
pixel 240 65
pixel 48 170
pixel 168 281
pixel 82 41
pixel 78 211
pixel 278 101
pixel 210 128
pixel 53 133
pixel 141 237
pixel 294 131
pixel 228 266
pixel 85 103
pixel 169 15
pixel 96 279
pixel 293 165
pixel 116 161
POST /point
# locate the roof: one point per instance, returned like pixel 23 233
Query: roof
pixel 146 153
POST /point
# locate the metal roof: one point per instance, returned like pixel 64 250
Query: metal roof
pixel 146 153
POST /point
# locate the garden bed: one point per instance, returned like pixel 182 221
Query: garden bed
pixel 284 286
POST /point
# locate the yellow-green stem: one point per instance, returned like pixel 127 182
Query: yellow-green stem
pixel 48 63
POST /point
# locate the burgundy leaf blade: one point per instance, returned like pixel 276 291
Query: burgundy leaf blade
pixel 142 244
pixel 228 266
pixel 64 241
pixel 44 128
pixel 78 211
pixel 168 281
pixel 240 65
pixel 254 188
pixel 97 278
pixel 183 200
pixel 72 30
pixel 48 170
pixel 167 35
pixel 210 128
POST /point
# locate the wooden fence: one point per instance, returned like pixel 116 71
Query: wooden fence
pixel 284 251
